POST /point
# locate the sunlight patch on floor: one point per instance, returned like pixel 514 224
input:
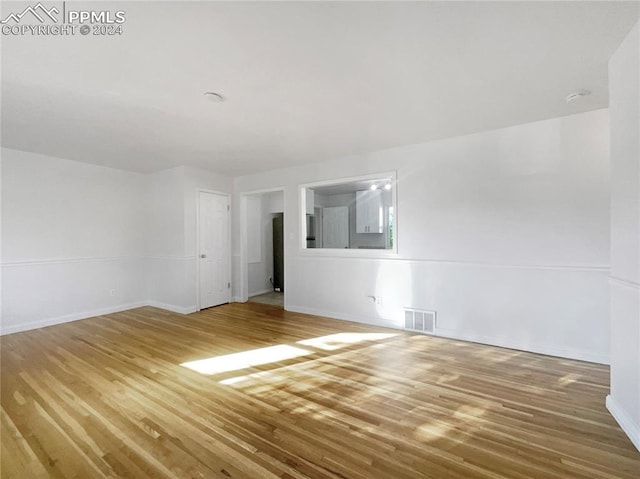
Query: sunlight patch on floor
pixel 447 378
pixel 245 359
pixel 432 431
pixel 273 354
pixel 469 412
pixel 234 380
pixel 336 341
pixel 569 379
pixel 495 355
pixel 466 417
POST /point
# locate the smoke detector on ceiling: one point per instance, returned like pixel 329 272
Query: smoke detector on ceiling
pixel 577 95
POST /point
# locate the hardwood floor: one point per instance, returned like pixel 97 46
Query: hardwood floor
pixel 122 396
pixel 274 298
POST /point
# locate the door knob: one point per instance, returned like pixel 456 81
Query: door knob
pixel 203 255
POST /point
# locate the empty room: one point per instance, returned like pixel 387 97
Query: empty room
pixel 320 240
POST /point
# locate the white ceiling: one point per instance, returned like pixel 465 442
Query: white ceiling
pixel 304 81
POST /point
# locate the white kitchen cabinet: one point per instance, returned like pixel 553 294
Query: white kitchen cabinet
pixel 369 211
pixel 309 201
pixel 335 227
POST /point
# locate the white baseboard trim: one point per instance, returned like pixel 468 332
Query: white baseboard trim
pixel 172 307
pixel 341 316
pixel 69 318
pixel 631 430
pixel 531 348
pixel 539 349
pixel 91 314
pixel 563 353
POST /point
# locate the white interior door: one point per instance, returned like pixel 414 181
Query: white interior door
pixel 215 278
pixel 335 227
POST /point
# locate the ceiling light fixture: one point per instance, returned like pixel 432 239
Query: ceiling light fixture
pixel 374 187
pixel 577 95
pixel 213 97
pixel 387 186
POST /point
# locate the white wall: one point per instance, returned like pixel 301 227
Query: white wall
pixel 504 233
pixel 276 201
pixel 168 268
pixel 73 240
pixel 624 85
pixel 80 240
pixel 173 234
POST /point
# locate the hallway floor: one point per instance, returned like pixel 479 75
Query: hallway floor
pixel 275 298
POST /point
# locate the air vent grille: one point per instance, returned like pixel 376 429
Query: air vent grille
pixel 420 321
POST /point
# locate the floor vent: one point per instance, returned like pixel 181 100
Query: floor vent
pixel 420 321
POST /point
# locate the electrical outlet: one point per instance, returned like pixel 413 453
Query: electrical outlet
pixel 379 300
pixel 112 292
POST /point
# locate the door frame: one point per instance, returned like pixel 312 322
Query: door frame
pixel 228 196
pixel 243 294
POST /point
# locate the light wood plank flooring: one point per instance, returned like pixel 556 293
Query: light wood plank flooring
pixel 132 395
pixel 274 298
